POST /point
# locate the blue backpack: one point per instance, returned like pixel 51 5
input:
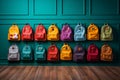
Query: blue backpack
pixel 78 53
pixel 26 53
pixel 79 33
pixel 40 54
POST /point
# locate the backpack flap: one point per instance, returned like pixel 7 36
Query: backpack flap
pixel 52 53
pixel 40 33
pixel 14 33
pixel 53 33
pixel 27 33
pixel 106 33
pixel 106 53
pixel 66 52
pixel 92 32
pixel 79 33
pixel 66 33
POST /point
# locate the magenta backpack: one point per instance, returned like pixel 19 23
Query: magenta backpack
pixel 66 33
pixel 93 53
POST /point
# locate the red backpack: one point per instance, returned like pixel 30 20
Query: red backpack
pixel 52 53
pixel 40 33
pixel 93 54
pixel 27 33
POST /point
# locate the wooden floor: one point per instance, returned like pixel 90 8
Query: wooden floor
pixel 59 73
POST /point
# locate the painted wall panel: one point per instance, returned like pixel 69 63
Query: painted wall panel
pixel 73 7
pixel 45 7
pixel 104 7
pixel 14 7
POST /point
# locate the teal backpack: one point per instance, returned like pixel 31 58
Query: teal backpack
pixel 26 53
pixel 40 54
pixel 79 33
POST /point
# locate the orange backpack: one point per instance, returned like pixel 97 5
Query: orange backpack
pixel 92 32
pixel 66 52
pixel 106 53
pixel 53 33
pixel 14 33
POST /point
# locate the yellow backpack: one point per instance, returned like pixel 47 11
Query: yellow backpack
pixel 92 32
pixel 106 53
pixel 53 33
pixel 14 33
pixel 66 52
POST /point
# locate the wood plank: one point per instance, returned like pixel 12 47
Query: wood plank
pixel 59 72
pixel 17 72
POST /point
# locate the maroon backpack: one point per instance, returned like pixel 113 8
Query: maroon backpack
pixel 93 53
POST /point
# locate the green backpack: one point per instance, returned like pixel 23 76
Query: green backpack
pixel 106 33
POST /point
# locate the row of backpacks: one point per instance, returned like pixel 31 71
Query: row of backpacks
pixel 66 34
pixel 66 54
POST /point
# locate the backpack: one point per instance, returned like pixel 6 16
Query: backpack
pixel 93 54
pixel 92 32
pixel 26 53
pixel 13 54
pixel 66 52
pixel 53 33
pixel 78 53
pixel 27 33
pixel 66 33
pixel 106 33
pixel 14 33
pixel 53 54
pixel 40 54
pixel 106 53
pixel 79 33
pixel 40 33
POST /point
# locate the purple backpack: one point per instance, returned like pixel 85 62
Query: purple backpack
pixel 66 33
pixel 79 53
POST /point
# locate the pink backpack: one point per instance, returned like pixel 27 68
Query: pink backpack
pixel 66 33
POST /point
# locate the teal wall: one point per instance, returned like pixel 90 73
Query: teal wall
pixel 59 12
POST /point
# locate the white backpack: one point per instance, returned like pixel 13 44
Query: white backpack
pixel 13 54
